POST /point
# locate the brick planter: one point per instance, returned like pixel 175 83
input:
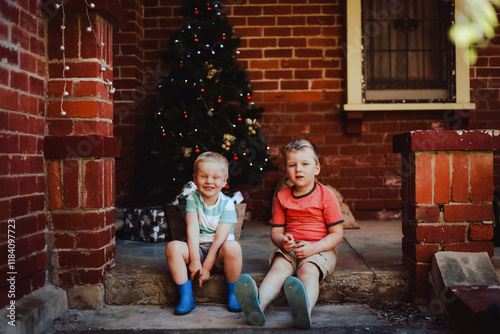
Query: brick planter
pixel 447 191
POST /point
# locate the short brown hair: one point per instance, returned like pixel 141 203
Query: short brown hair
pixel 302 144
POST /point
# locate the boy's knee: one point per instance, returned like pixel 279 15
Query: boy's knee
pixel 173 247
pixel 281 263
pixel 232 247
pixel 308 269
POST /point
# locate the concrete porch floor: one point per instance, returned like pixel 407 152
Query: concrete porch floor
pixel 375 247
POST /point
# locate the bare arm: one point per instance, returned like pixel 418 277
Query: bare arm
pixel 193 241
pixel 220 237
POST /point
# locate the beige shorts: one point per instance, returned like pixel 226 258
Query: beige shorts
pixel 325 261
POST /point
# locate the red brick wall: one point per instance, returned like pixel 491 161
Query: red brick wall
pixel 22 174
pixel 485 92
pixel 129 98
pixel 294 53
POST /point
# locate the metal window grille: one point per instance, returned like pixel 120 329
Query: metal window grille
pixel 407 55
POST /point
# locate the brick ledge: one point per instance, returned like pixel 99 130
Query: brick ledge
pixel 81 146
pixel 449 140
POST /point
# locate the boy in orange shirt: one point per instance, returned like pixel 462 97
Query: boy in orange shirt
pixel 307 228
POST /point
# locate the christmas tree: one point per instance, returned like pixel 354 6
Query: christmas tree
pixel 204 104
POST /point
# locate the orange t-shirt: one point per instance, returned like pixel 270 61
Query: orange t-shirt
pixel 307 217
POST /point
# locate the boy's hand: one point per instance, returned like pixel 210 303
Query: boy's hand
pixel 204 276
pixel 288 243
pixel 195 268
pixel 304 249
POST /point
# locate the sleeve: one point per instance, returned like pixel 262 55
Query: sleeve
pixel 191 203
pixel 332 212
pixel 228 216
pixel 278 213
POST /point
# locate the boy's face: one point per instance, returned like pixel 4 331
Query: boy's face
pixel 210 178
pixel 301 168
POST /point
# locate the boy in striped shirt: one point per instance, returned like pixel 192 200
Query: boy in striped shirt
pixel 210 219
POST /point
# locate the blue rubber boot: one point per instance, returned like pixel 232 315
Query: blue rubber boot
pixel 232 302
pixel 186 303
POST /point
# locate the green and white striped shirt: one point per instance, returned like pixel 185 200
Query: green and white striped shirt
pixel 209 217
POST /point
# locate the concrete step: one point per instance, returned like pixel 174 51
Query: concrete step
pixel 159 289
pixel 368 269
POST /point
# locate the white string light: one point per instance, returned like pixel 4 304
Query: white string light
pixel 62 47
pixel 65 67
pixel 100 45
pixel 90 28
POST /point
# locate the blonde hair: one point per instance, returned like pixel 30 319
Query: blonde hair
pixel 212 157
pixel 302 144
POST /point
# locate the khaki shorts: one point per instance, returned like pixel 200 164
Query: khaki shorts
pixel 325 261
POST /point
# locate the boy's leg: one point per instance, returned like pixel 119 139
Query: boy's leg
pixel 271 285
pixel 230 255
pixel 177 254
pixel 309 274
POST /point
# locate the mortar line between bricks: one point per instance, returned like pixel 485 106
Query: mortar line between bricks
pixel 359 255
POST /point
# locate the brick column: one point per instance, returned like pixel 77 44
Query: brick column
pixel 80 149
pixel 447 191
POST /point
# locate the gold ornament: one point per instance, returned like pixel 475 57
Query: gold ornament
pixel 228 140
pixel 186 151
pixel 212 72
pixel 253 126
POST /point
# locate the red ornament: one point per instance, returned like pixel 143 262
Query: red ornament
pixel 197 150
pixel 164 134
pixel 224 37
pixel 209 8
pixel 196 11
pixel 219 100
pixel 196 39
pixel 227 186
pixel 203 89
pixel 240 119
pixel 235 157
pixel 249 97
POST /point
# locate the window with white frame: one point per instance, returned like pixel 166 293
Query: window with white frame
pixel 400 57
